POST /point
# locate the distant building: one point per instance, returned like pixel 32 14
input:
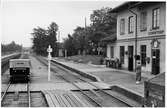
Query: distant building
pixel 148 41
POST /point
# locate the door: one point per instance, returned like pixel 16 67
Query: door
pixel 155 61
pixel 130 58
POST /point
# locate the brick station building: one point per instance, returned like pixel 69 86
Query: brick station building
pixel 146 38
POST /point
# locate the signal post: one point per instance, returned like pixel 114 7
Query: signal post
pixel 49 50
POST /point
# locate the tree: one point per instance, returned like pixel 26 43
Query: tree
pixel 11 47
pixel 52 39
pixel 103 24
pixel 69 45
pixel 43 38
pixel 104 21
pixel 88 38
pixel 79 38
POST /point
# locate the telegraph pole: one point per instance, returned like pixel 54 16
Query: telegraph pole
pixel 85 22
pixel 84 38
pixel 58 43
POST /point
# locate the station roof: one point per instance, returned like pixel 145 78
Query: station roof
pixel 128 5
pixel 123 6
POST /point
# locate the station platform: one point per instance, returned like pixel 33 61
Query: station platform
pixel 122 78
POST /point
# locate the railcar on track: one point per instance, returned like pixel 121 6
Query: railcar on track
pixel 19 70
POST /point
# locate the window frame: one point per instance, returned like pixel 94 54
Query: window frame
pixel 122 26
pixel 143 21
pixel 155 24
pixel 130 24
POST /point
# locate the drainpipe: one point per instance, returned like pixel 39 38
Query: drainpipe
pixel 135 36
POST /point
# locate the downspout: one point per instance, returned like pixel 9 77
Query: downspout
pixel 135 35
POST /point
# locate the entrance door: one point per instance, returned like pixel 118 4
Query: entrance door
pixel 155 61
pixel 130 58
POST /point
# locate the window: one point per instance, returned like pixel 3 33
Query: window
pixel 112 51
pixel 131 26
pixel 122 52
pixel 143 21
pixel 155 18
pixel 122 26
pixel 143 55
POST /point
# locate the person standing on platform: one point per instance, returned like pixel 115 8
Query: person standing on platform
pixel 138 69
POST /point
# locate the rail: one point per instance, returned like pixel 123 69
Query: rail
pixel 105 92
pixel 3 96
pixel 29 94
pixel 63 77
pixel 98 99
pixel 98 88
pixel 95 101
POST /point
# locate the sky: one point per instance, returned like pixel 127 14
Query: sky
pixel 20 17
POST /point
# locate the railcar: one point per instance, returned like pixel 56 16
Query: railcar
pixel 19 70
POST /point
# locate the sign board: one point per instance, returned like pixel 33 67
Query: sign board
pixel 49 49
pixel 155 32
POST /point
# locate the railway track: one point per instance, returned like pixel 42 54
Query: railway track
pixel 61 71
pixel 93 96
pixel 3 96
pixel 19 95
pixel 98 96
pixel 16 99
pixel 101 91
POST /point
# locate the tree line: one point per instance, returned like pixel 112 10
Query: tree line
pixel 10 48
pixel 42 38
pixel 83 40
pixel 87 40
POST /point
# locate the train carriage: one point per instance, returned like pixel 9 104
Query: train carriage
pixel 19 70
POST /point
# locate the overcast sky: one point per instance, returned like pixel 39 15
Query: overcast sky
pixel 20 17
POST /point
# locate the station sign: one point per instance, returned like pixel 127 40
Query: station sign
pixel 156 32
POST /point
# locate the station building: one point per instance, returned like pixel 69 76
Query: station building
pixel 141 30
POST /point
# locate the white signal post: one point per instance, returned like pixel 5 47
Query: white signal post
pixel 49 50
